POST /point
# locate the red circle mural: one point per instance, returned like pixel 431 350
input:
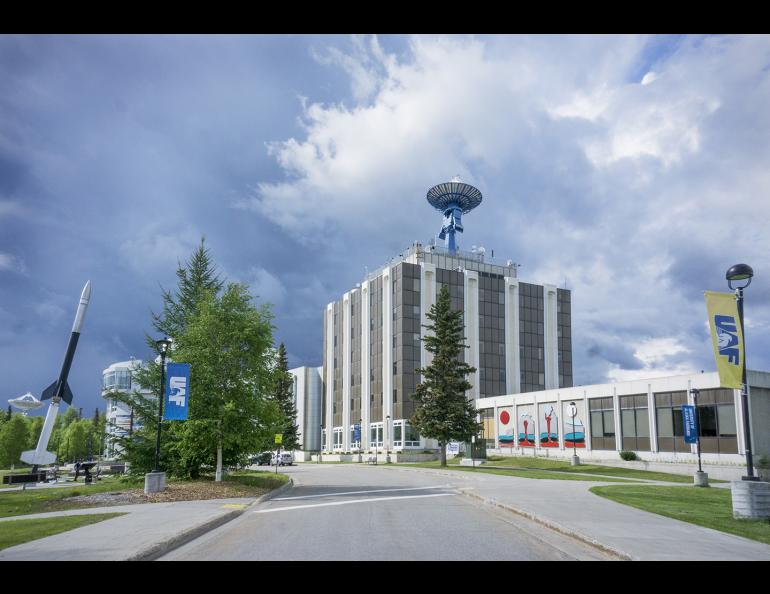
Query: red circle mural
pixel 505 418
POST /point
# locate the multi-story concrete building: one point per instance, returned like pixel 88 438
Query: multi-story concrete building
pixel 518 333
pixel 120 418
pixel 308 396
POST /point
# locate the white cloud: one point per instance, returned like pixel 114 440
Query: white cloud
pixel 12 263
pixel 627 189
pixel 265 286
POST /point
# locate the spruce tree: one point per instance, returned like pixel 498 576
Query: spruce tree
pixel 443 412
pixel 283 393
pixel 197 278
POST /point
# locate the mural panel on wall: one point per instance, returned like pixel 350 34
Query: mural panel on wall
pixel 549 426
pixel 505 426
pixel 574 435
pixel 526 427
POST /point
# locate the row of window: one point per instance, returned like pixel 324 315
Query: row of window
pixel 716 423
pixel 404 436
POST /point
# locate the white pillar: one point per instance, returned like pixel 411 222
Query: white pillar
pixel 329 375
pixel 347 304
pixel 551 339
pixel 560 422
pixel 616 416
pixel 512 358
pixel 653 419
pixel 366 385
pixel 471 302
pixel 587 421
pixel 427 300
pixel 387 348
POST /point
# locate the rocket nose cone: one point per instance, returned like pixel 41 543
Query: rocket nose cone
pixel 86 294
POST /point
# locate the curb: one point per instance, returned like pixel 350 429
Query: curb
pixel 158 550
pixel 542 521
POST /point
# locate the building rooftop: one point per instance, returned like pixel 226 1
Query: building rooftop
pixel 448 260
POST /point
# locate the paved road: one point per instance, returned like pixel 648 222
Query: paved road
pixel 346 512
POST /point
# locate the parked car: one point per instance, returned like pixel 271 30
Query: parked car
pixel 284 459
pixel 262 459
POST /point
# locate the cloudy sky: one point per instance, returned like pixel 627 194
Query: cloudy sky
pixel 633 170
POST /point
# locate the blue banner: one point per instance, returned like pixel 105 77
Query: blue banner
pixel 357 433
pixel 177 397
pixel 690 422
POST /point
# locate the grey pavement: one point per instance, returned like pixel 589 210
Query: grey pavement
pixel 352 512
pixel 148 530
pixel 569 507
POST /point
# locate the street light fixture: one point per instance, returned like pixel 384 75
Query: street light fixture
pixel 163 345
pixel 736 274
pixel 573 411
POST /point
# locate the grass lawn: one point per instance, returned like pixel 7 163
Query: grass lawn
pixel 261 479
pixel 17 532
pixel 33 501
pixel 520 472
pixel 244 483
pixel 711 508
pixel 564 466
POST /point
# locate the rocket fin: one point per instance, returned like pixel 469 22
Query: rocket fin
pixel 49 391
pixel 33 457
pixel 67 395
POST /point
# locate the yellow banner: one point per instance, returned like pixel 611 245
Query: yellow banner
pixel 726 337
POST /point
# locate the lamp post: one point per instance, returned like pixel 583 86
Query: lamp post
pixel 737 273
pixel 360 440
pixel 155 481
pixel 321 446
pixel 385 438
pixel 163 345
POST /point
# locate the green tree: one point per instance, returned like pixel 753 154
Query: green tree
pixel 197 278
pixel 35 428
pixel 228 346
pixel 69 417
pixel 74 444
pixel 14 436
pixel 227 342
pixel 283 394
pixel 443 412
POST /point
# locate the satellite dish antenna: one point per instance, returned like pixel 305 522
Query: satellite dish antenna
pixel 25 403
pixel 482 250
pixel 453 199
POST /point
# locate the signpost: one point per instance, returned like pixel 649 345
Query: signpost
pixel 573 411
pixel 278 441
pixel 690 420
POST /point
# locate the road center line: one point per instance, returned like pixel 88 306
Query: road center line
pixel 369 500
pixel 357 492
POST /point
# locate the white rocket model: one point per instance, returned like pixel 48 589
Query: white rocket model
pixel 59 389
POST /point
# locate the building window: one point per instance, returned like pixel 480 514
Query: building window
pixel 602 423
pixel 668 413
pixel 398 428
pixel 337 444
pixel 411 437
pixel 375 435
pixel 716 419
pixel 635 422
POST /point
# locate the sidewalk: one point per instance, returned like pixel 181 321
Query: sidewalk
pixel 148 531
pixel 630 533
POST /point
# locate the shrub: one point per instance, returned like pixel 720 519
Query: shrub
pixel 763 462
pixel 629 456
